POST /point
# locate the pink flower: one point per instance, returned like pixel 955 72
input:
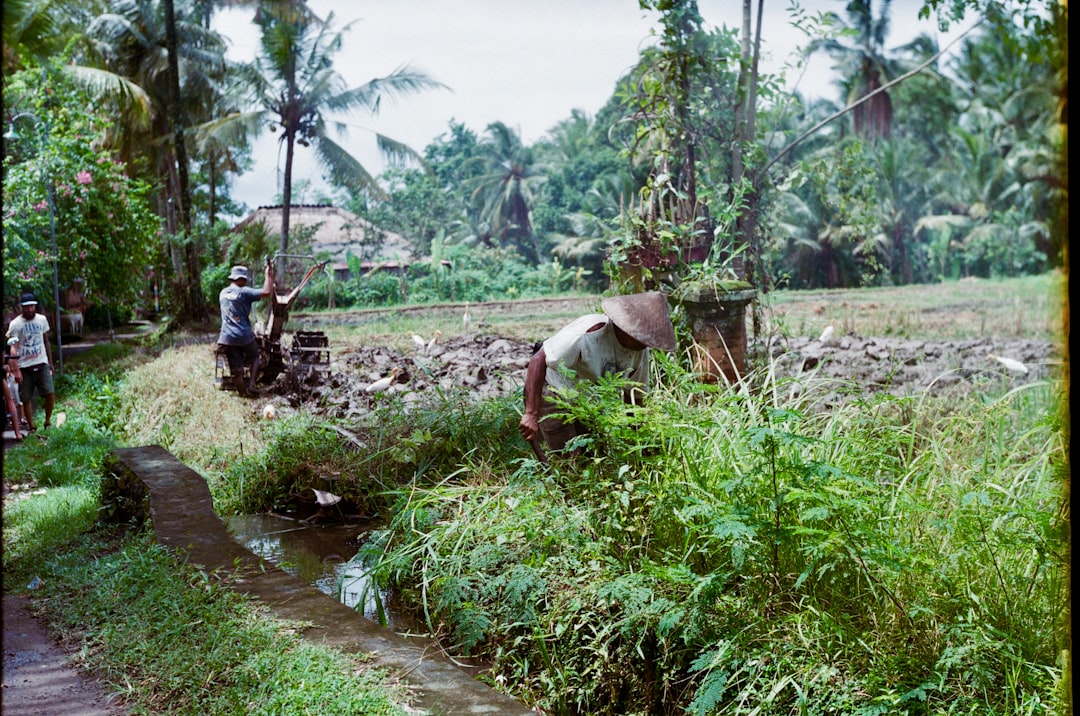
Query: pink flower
pixel 41 207
pixel 84 177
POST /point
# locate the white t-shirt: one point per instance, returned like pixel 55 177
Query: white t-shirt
pixel 31 335
pixel 592 354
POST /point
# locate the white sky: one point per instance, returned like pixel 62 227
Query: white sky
pixel 527 63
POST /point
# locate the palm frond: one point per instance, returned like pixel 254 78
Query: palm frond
pixel 396 151
pixel 128 96
pixel 342 168
pixel 233 129
pixel 941 222
pixel 401 82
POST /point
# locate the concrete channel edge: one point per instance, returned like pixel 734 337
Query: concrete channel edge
pixel 151 483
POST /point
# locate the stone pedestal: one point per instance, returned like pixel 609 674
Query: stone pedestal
pixel 717 315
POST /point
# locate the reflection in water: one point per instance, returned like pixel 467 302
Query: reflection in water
pixel 317 555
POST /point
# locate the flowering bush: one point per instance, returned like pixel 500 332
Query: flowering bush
pixel 105 229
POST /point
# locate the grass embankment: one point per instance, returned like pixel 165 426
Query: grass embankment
pixel 167 638
pixel 715 551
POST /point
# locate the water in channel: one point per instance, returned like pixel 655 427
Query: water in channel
pixel 319 555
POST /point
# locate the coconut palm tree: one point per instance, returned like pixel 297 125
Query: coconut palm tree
pixel 295 90
pixel 504 193
pixel 902 182
pixel 863 66
pixel 179 63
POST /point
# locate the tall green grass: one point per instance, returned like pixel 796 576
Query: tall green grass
pixel 734 551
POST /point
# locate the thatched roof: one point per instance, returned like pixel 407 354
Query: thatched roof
pixel 336 232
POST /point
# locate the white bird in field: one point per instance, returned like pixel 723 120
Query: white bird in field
pixel 326 499
pixel 1010 363
pixel 382 383
pixel 269 412
pixel 466 320
pixel 828 336
pixel 432 342
pixel 420 342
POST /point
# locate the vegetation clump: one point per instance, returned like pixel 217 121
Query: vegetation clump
pixel 721 551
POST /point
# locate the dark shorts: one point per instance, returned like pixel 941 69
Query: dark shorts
pixel 555 431
pixel 239 356
pixel 39 377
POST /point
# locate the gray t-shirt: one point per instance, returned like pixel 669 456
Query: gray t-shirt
pixel 236 303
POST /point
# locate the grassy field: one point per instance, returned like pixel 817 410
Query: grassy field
pixel 1029 307
pixel 719 553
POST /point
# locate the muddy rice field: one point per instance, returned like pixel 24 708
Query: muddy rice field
pixel 491 361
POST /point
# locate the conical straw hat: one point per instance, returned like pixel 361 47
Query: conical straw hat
pixel 644 316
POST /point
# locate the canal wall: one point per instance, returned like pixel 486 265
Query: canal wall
pixel 150 484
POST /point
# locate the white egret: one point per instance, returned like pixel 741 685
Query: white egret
pixel 466 320
pixel 432 342
pixel 383 383
pixel 418 341
pixel 828 336
pixel 1010 363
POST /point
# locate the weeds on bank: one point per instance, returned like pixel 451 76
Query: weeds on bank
pixel 725 551
pixel 173 640
pixel 169 639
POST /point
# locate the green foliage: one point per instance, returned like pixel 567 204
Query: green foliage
pixel 714 551
pixel 825 230
pixel 104 227
pixel 246 663
pixel 468 274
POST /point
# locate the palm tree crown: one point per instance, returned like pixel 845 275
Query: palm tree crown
pixel 296 88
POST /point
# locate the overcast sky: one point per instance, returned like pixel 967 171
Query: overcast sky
pixel 527 63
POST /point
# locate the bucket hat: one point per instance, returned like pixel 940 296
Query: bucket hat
pixel 239 272
pixel 644 316
pixel 27 299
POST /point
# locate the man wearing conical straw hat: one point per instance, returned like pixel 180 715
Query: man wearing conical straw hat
pixel 616 341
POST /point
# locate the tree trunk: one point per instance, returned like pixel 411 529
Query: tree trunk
pixel 286 198
pixel 192 308
pixel 901 253
pixel 212 209
pixel 738 169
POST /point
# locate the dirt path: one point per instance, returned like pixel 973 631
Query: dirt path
pixel 38 678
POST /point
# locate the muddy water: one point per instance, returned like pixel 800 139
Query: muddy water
pixel 322 556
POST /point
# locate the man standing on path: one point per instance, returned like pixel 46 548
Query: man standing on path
pixel 237 337
pixel 34 369
pixel 616 341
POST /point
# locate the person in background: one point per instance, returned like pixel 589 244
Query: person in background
pixel 616 341
pixel 12 403
pixel 73 301
pixel 34 368
pixel 237 337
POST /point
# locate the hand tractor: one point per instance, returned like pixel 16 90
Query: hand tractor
pixel 306 356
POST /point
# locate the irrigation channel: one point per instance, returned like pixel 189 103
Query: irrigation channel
pixel 320 555
pixel 325 556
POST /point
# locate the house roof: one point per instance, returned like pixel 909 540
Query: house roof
pixel 336 233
